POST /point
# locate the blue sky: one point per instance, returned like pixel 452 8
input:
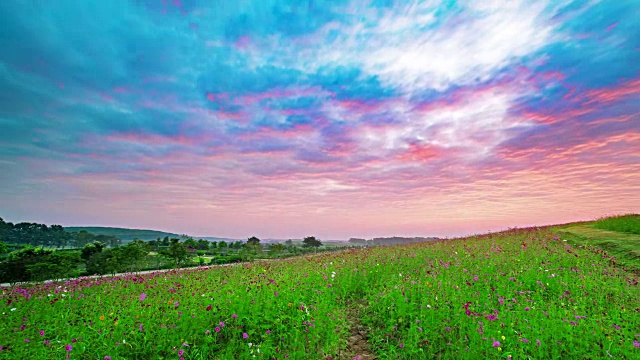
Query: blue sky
pixel 332 118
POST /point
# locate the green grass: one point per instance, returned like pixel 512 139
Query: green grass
pixel 524 294
pixel 624 223
pixel 617 236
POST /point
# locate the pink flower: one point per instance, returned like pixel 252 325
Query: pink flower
pixel 221 324
pixel 143 296
pixel 234 316
pixel 217 329
pixel 41 332
pixel 636 344
pixel 496 343
pixel 209 307
pixel 526 309
pixel 181 352
pixel 245 335
pixel 107 357
pixel 68 347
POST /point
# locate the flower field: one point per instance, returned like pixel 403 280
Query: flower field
pixel 521 294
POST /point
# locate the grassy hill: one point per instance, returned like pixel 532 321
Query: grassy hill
pixel 123 233
pixel 126 234
pixel 619 236
pixel 533 293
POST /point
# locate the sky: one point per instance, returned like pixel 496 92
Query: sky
pixel 337 119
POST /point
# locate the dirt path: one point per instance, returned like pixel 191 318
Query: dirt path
pixel 358 345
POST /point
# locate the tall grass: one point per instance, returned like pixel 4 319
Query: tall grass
pixel 629 223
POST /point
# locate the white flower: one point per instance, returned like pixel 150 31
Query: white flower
pixel 429 306
pixel 250 344
pixel 400 274
pixel 13 309
pixel 124 341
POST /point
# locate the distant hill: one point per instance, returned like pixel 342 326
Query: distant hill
pixel 127 235
pixel 123 233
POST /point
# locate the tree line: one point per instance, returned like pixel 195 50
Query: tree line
pixel 34 234
pixel 37 252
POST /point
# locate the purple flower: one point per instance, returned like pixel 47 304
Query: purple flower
pixel 616 326
pixel 181 352
pixel 234 316
pixel 207 332
pixel 27 340
pixel 538 342
pixel 41 332
pixel 401 345
pixel 143 296
pixel 525 340
pixel 68 347
pixel 217 329
pixel 245 335
pixel 636 344
pixel 268 332
pixel 47 342
pixel 221 324
pixel 107 357
pixel 526 309
pixel 176 304
pixel 496 343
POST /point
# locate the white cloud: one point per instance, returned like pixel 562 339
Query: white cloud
pixel 410 48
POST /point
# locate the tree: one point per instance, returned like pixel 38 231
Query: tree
pixel 93 248
pixel 190 243
pixel 3 247
pixel 311 241
pixel 58 265
pixel 110 240
pixel 177 252
pixel 253 241
pixel 202 245
pixel 289 242
pixel 276 248
pixel 134 253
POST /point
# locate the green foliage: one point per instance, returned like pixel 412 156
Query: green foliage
pixel 202 245
pixel 92 248
pixel 253 241
pixel 57 265
pixel 36 264
pixel 624 223
pixel 33 234
pixel 177 252
pixel 311 241
pixel 3 248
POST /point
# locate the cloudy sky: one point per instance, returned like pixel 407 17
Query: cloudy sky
pixel 329 118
